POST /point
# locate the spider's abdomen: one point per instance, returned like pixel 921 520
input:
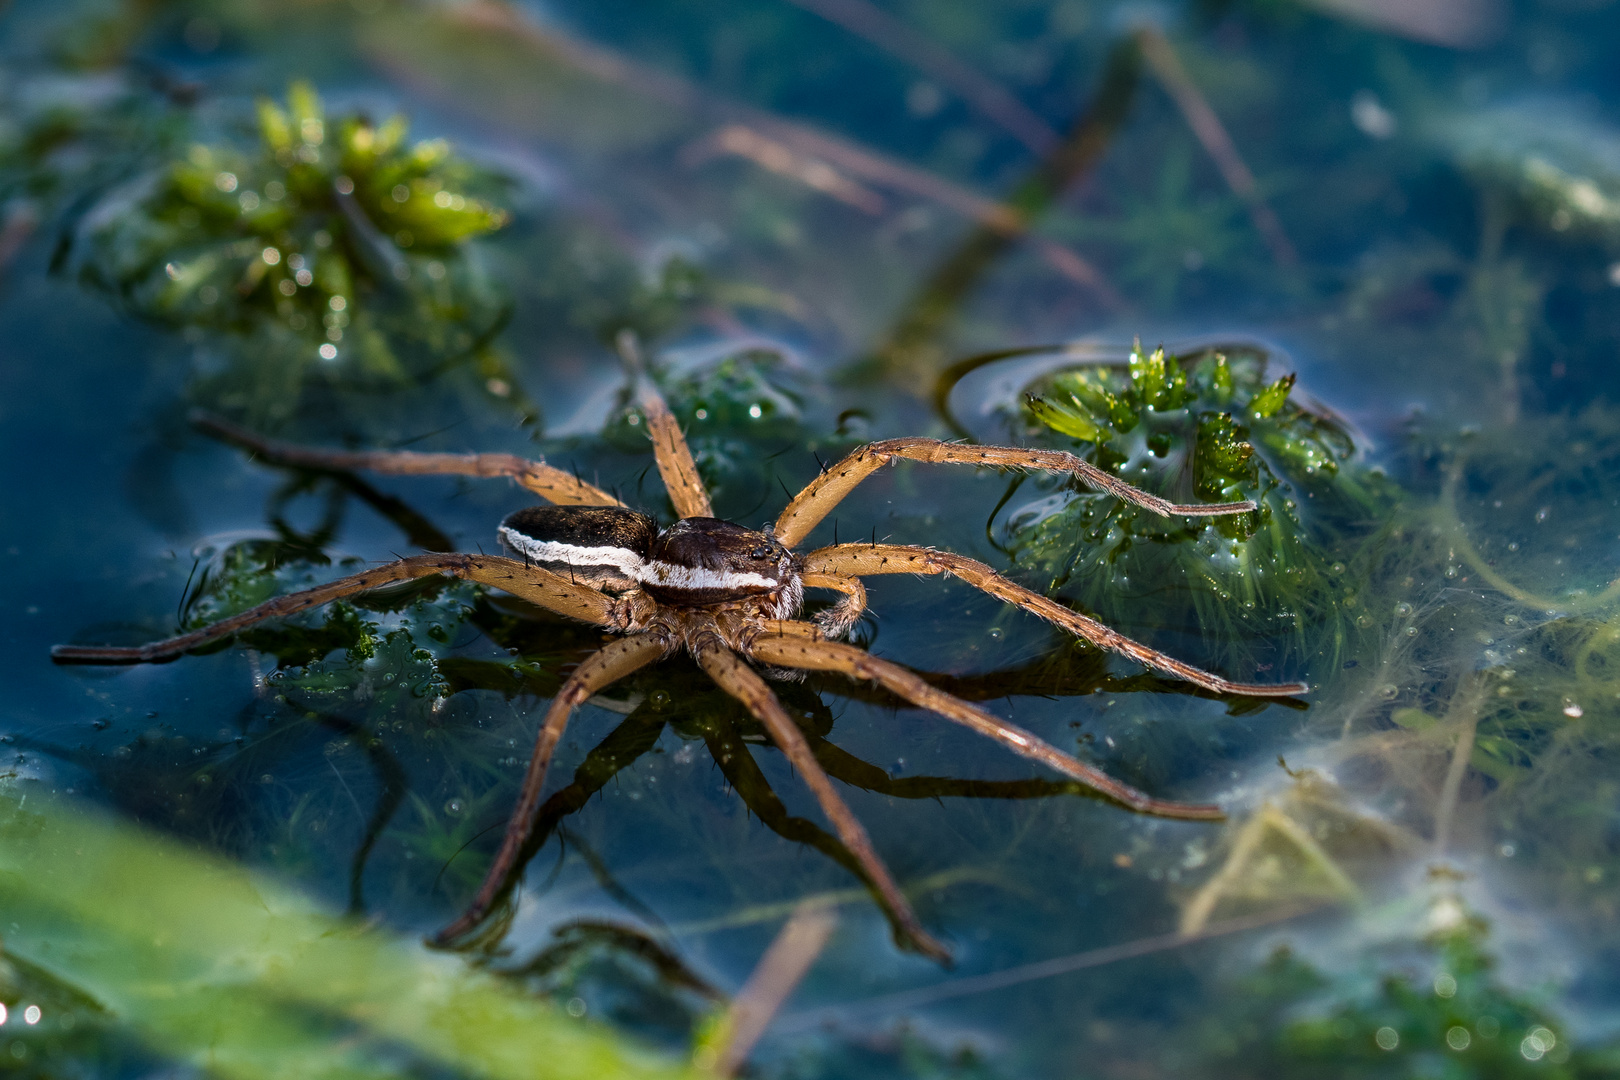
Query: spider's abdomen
pixel 605 547
pixel 701 562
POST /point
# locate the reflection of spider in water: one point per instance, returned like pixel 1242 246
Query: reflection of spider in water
pixel 727 595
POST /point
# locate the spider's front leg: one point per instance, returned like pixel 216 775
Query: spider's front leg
pixel 540 587
pixel 850 560
pixel 837 620
pixel 826 491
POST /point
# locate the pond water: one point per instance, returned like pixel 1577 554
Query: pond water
pixel 1380 247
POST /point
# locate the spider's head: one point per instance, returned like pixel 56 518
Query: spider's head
pixel 699 562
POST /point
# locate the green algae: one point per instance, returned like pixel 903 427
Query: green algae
pixel 333 247
pixel 1211 426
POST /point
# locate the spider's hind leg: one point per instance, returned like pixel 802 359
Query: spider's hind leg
pixel 811 655
pixel 602 668
pixel 739 680
pixel 869 559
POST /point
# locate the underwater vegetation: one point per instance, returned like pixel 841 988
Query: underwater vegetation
pixel 335 245
pixel 751 192
pixel 1431 1007
pixel 1210 425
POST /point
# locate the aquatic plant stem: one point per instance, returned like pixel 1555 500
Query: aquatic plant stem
pixel 778 973
pixel 1464 712
pixel 1042 969
pixel 1452 527
pixel 1166 66
pixel 986 96
pixel 912 348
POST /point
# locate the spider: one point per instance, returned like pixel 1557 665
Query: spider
pixel 727 595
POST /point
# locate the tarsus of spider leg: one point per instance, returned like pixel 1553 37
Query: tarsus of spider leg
pixel 538 586
pixel 832 656
pixel 601 669
pixel 741 682
pixel 861 560
pixel 827 490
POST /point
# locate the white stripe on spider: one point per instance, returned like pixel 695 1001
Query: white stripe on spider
pixel 552 551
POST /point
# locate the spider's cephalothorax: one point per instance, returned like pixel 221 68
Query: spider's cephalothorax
pixel 727 595
pixel 698 562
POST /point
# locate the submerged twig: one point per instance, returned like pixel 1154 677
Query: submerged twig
pixel 852 158
pixel 773 980
pixel 1166 67
pixel 779 158
pixel 983 94
pixel 1045 969
pixel 1464 712
pixel 911 346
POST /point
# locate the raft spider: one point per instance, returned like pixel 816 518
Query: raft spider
pixel 726 594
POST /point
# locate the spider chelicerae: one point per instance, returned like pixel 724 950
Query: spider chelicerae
pixel 726 594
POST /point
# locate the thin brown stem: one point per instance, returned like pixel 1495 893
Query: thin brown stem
pixel 1206 125
pixel 772 982
pixel 984 94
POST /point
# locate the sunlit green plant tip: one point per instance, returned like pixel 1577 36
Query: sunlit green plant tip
pixel 322 221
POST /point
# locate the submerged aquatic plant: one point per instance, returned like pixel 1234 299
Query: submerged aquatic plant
pixel 332 242
pixel 1212 426
pixel 1435 1008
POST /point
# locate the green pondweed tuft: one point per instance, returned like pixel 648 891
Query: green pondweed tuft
pixel 1206 426
pixel 334 244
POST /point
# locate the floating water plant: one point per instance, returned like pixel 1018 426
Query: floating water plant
pixel 333 241
pixel 1212 425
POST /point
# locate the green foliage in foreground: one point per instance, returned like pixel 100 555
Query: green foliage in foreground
pixel 333 243
pixel 1210 426
pixel 114 933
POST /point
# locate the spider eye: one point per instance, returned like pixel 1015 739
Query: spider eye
pixel 760 553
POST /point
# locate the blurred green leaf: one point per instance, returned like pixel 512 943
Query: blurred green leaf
pixel 235 973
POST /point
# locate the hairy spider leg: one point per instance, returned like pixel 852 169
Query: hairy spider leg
pixel 674 457
pixel 748 781
pixel 601 669
pixel 836 621
pixel 870 559
pixel 826 491
pixel 738 679
pixel 807 655
pixel 546 481
pixel 539 587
